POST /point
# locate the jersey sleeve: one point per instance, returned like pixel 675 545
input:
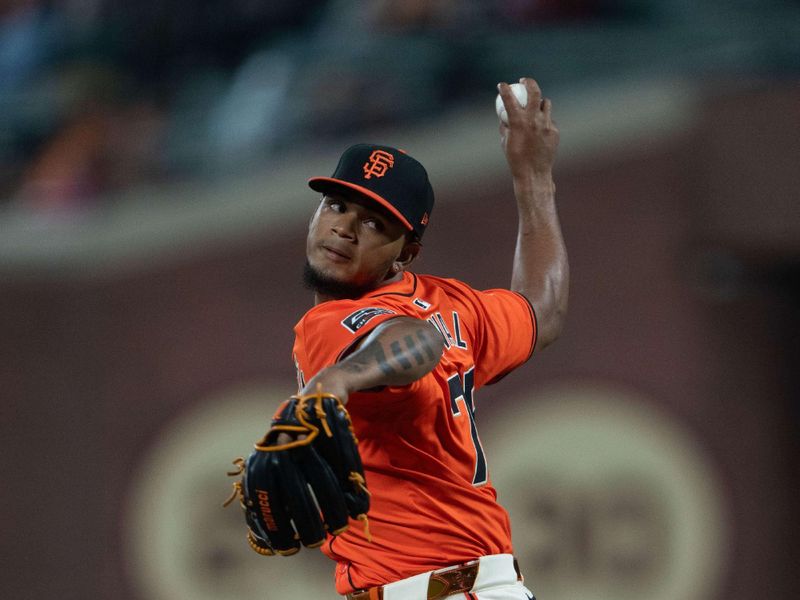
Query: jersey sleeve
pixel 506 333
pixel 326 332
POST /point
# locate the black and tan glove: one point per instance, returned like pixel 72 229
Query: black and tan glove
pixel 277 482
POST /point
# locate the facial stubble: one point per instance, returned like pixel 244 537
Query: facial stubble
pixel 331 287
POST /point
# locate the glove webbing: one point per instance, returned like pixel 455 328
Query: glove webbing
pixel 311 430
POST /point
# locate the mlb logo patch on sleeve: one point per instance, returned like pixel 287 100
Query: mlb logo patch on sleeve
pixel 362 316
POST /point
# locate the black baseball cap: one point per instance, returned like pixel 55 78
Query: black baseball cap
pixel 386 175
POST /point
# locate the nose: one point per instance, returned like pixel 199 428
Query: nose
pixel 344 226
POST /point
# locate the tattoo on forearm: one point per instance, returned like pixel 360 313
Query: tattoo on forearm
pixel 412 346
pixel 414 350
pixel 421 350
pixel 362 361
pixel 380 357
pixel 400 355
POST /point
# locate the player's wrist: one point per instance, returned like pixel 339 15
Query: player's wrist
pixel 535 197
pixel 334 380
pixel 534 179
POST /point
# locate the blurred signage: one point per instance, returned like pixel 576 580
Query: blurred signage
pixel 610 498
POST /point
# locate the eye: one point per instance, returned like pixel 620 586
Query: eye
pixel 375 224
pixel 334 204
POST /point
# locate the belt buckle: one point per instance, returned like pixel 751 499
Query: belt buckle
pixel 452 581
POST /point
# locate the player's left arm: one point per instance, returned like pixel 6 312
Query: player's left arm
pixel 540 270
pixel 397 352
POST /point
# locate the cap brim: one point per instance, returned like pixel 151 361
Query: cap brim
pixel 325 184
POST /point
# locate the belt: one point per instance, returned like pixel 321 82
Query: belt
pixel 441 583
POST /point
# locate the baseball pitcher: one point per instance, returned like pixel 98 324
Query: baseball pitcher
pixel 377 460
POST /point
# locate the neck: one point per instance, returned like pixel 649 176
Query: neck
pixel 320 297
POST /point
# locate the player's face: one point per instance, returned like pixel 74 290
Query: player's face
pixel 354 242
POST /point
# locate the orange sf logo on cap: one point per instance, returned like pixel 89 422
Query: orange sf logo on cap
pixel 379 162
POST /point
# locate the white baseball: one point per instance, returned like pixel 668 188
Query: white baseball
pixel 520 91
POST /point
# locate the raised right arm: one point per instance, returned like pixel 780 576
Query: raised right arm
pixel 540 270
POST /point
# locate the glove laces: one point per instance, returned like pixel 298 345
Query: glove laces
pixel 237 485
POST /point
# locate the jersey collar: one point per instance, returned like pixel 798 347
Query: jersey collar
pixel 406 286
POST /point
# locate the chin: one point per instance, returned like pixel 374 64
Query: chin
pixel 323 282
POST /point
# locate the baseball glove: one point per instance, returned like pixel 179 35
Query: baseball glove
pixel 304 489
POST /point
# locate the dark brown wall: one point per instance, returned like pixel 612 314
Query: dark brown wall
pixel 93 370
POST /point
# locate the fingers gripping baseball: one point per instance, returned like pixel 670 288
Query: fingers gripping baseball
pixel 530 139
pixel 305 478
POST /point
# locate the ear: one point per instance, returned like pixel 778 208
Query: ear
pixel 407 255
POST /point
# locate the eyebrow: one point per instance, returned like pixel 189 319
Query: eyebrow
pixel 366 204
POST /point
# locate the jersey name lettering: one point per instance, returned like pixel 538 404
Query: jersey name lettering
pixel 457 328
pixel 437 320
pixel 355 321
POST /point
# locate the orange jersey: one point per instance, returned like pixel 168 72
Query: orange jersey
pixel 433 504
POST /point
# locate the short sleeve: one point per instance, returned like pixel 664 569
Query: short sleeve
pixel 328 330
pixel 506 333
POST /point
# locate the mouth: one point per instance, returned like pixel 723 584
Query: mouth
pixel 334 254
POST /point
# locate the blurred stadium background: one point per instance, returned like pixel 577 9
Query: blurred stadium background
pixel 153 159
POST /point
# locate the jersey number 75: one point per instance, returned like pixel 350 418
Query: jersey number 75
pixel 462 388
